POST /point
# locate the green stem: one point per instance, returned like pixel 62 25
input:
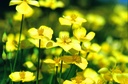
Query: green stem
pixel 71 32
pixel 51 79
pixel 10 64
pixel 10 68
pixel 56 75
pixel 69 72
pixel 61 65
pixel 21 26
pixel 38 64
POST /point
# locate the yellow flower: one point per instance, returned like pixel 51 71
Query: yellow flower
pixel 77 60
pixel 71 20
pixel 23 5
pixel 66 42
pixel 92 74
pixel 120 57
pixel 30 65
pixel 80 34
pixel 121 78
pixel 31 2
pixel 79 79
pixel 56 61
pixel 12 42
pixel 52 63
pixel 87 46
pixel 44 33
pixel 109 75
pixel 53 4
pixel 24 76
pixel 96 21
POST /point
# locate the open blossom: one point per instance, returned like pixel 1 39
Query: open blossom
pixel 67 43
pixel 71 20
pixel 23 5
pixel 44 33
pixel 24 76
pixel 121 78
pixel 77 60
pixel 80 34
pixel 53 4
pixel 88 47
pixel 79 79
pixel 12 42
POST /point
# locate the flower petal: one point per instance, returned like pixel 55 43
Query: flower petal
pixel 33 2
pixel 83 63
pixel 24 8
pixel 64 21
pixel 14 2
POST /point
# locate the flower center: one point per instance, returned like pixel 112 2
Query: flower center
pixel 51 3
pixel 57 60
pixel 73 17
pixel 66 40
pixel 40 32
pixel 22 75
pixel 76 59
pixel 78 79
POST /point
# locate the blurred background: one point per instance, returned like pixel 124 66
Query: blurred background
pixel 107 18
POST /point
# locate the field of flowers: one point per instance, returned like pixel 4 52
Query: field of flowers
pixel 64 42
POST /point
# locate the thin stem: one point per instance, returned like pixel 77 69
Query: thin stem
pixel 10 68
pixel 38 64
pixel 10 64
pixel 56 75
pixel 21 26
pixel 71 33
pixel 51 79
pixel 61 65
pixel 69 72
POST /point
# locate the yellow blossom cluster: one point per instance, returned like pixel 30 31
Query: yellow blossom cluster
pixel 67 56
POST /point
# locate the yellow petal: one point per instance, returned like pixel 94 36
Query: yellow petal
pixel 47 31
pixel 29 76
pixel 67 59
pixel 90 36
pixel 83 63
pixel 76 46
pixel 80 20
pixel 63 34
pixel 33 32
pixel 60 4
pixel 64 21
pixel 90 73
pixel 88 80
pixel 79 33
pixel 14 2
pixel 29 65
pixel 68 82
pixel 95 47
pixel 15 76
pixel 33 2
pixel 86 45
pixel 49 61
pixel 103 70
pixel 120 77
pixel 24 8
pixel 50 44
